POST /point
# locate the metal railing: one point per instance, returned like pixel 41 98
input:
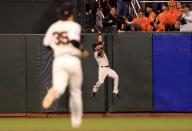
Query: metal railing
pixel 134 7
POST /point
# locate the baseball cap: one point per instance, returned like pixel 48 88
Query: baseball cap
pixel 66 9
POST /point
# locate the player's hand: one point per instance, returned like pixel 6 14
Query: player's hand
pixel 84 53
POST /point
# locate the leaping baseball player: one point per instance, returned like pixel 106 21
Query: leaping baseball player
pixel 104 69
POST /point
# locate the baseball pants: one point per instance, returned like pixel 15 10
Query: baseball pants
pixel 103 72
pixel 67 70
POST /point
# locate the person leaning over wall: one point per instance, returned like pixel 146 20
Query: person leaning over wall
pixel 141 20
pixel 109 22
pixel 161 20
pixel 185 19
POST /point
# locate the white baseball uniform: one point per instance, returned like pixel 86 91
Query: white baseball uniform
pixel 105 70
pixel 66 65
pixel 188 26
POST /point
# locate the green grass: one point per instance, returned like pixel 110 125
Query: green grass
pixel 97 124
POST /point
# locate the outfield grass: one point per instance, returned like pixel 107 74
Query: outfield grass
pixel 97 124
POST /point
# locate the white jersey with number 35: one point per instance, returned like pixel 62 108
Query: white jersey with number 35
pixel 59 35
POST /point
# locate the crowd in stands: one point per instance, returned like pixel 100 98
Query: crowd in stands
pixel 174 16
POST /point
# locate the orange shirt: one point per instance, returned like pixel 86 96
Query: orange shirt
pixel 149 28
pixel 172 15
pixel 163 17
pixel 160 27
pixel 152 16
pixel 144 22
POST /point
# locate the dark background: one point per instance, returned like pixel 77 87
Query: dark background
pixel 32 16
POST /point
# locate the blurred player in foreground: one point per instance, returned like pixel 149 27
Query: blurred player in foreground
pixel 104 69
pixel 63 37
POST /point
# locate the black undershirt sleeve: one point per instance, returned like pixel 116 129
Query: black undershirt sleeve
pixel 77 45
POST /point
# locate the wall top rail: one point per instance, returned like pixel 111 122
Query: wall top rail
pixel 120 33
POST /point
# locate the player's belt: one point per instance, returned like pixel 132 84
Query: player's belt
pixel 104 66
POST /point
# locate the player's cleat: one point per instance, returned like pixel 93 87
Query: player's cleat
pixel 46 103
pixel 75 125
pixel 93 94
pixel 116 95
pixel 76 121
pixel 49 99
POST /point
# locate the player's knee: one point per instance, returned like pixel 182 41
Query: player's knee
pixel 99 83
pixel 76 93
pixel 116 77
pixel 76 98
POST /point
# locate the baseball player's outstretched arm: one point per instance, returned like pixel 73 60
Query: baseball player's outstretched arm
pixel 99 37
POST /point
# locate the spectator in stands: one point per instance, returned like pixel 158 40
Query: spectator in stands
pixel 150 27
pixel 172 15
pixel 185 19
pixel 103 4
pixel 109 22
pixel 141 21
pixel 180 11
pixel 99 19
pixel 179 6
pixel 150 12
pixel 164 8
pixel 162 20
pixel 124 24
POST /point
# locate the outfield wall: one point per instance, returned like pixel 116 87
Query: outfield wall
pixel 155 72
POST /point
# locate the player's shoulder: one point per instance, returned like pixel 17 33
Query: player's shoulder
pixel 74 24
pixel 54 25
